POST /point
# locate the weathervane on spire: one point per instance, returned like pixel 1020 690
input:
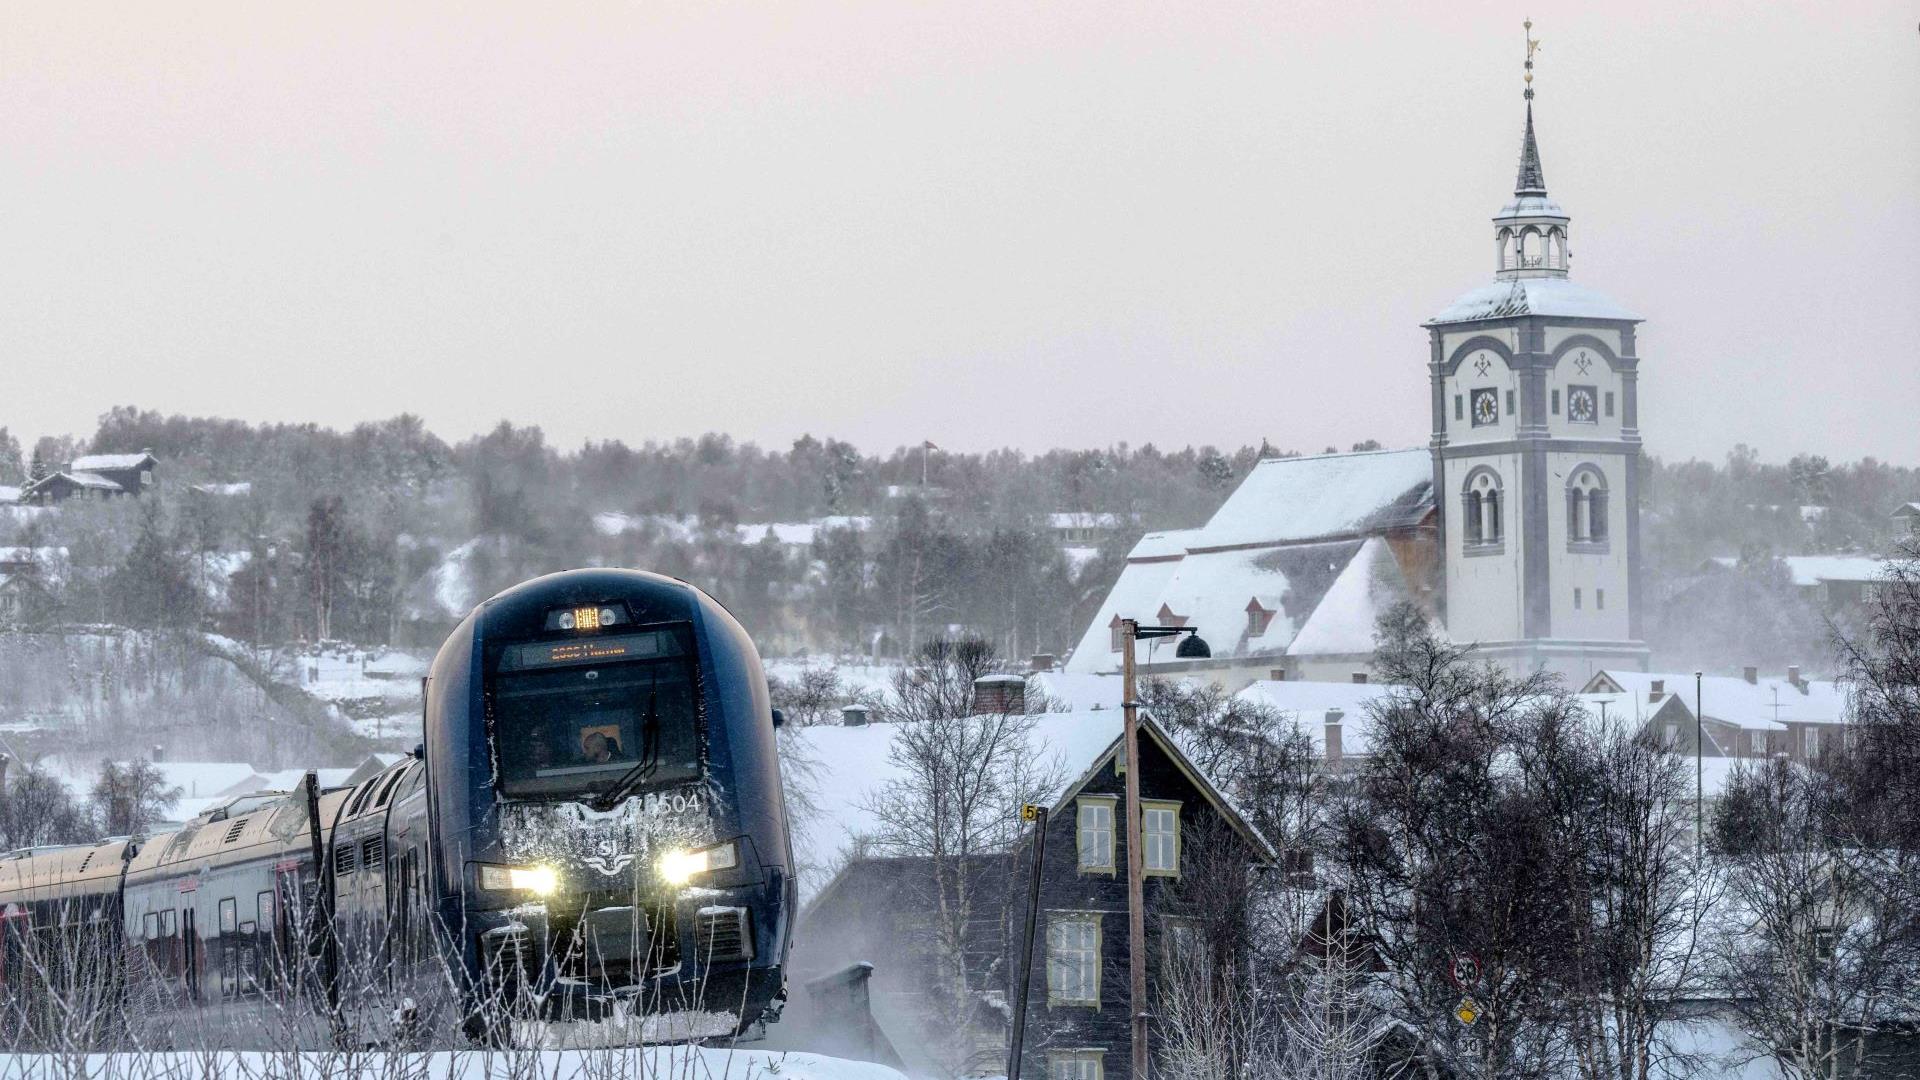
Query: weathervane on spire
pixel 1533 46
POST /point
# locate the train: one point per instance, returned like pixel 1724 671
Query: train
pixel 591 838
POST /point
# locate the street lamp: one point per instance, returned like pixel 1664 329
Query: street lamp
pixel 1193 647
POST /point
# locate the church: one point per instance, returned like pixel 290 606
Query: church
pixel 1517 528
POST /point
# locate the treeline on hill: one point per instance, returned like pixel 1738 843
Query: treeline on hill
pixel 384 533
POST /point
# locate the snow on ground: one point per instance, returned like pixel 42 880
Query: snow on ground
pixel 662 1062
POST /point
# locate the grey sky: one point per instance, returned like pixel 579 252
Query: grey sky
pixel 982 223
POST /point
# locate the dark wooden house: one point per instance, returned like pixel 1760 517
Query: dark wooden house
pixel 1197 848
pixel 98 475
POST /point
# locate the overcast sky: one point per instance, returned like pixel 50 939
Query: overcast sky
pixel 981 223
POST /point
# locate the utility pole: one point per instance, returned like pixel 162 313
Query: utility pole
pixel 1699 771
pixel 1039 817
pixel 1136 902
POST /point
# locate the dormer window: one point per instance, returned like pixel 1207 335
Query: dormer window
pixel 1258 618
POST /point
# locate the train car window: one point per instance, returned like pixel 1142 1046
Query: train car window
pixel 167 923
pixel 387 791
pixel 264 910
pixel 150 925
pixel 373 853
pixel 229 916
pixel 360 797
pixel 577 717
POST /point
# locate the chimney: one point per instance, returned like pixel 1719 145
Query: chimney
pixel 159 753
pixel 1360 678
pixel 1040 661
pixel 1334 716
pixel 854 715
pixel 999 695
pixel 1659 687
pixel 1793 676
pixel 1751 674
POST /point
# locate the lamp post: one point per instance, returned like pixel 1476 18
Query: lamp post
pixel 1193 648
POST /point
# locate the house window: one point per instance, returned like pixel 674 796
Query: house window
pixel 1672 735
pixel 1076 1064
pixel 1073 958
pixel 1510 409
pixel 1095 820
pixel 1459 409
pixel 1600 599
pixel 1576 599
pixel 1556 403
pixel 1759 741
pixel 1609 403
pixel 1160 838
pixel 1813 742
pixel 1823 943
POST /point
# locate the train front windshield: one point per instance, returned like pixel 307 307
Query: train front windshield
pixel 577 717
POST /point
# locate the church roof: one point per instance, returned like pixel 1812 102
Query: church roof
pixel 1300 538
pixel 1532 296
pixel 1291 500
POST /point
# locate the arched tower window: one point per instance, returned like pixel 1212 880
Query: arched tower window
pixel 1503 244
pixel 1529 248
pixel 1587 506
pixel 1556 249
pixel 1480 509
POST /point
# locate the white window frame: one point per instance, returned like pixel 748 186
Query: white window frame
pixel 1073 964
pixel 1149 840
pixel 1079 1064
pixel 1095 806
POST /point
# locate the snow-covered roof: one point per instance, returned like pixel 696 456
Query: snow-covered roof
pixel 800 533
pixel 1344 619
pixel 1532 296
pixel 1075 690
pixel 1294 528
pixel 97 462
pixel 1309 702
pixel 1165 544
pixel 1135 595
pixel 1813 569
pixel 1288 500
pixel 854 769
pixel 31 554
pixel 1733 700
pixel 9 493
pixel 243 487
pixel 88 480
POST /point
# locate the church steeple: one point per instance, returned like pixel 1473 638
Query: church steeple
pixel 1530 181
pixel 1530 233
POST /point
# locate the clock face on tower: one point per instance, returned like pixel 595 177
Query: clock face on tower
pixel 1486 407
pixel 1580 404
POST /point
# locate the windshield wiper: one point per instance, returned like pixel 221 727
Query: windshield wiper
pixel 649 758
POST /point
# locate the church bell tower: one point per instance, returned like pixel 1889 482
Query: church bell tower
pixel 1536 450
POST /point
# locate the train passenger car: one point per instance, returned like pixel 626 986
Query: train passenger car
pixel 608 826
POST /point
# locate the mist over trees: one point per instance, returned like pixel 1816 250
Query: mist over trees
pixel 384 532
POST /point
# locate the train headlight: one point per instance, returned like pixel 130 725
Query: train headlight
pixel 538 880
pixel 678 867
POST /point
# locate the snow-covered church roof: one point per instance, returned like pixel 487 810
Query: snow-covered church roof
pixel 1295 562
pixel 1557 297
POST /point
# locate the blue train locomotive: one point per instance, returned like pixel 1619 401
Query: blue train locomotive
pixel 593 832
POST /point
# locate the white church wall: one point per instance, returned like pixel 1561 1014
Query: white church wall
pixel 1483 590
pixel 1592 573
pixel 1460 385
